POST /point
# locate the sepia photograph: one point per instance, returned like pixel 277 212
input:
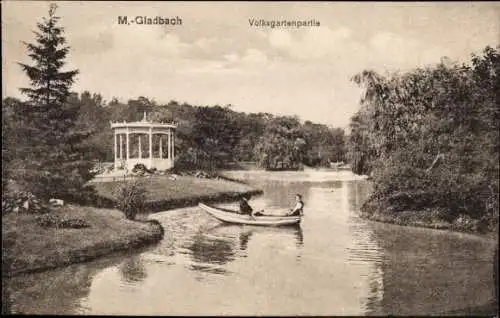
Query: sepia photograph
pixel 248 158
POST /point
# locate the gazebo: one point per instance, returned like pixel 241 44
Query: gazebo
pixel 130 139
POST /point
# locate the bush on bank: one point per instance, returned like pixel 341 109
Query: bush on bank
pixel 130 197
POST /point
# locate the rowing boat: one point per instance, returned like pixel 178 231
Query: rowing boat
pixel 231 216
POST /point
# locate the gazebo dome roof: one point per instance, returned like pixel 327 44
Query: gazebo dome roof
pixel 144 123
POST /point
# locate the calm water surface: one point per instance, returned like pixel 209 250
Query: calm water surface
pixel 333 264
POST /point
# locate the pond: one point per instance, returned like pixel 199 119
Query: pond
pixel 334 263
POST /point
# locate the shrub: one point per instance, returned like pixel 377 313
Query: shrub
pixel 403 186
pixel 187 160
pixel 51 220
pixel 139 167
pixel 131 197
pixel 98 168
pixel 22 202
pixel 466 223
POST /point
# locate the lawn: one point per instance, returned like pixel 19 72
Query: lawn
pixel 29 247
pixel 183 191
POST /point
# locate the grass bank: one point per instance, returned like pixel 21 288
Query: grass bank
pixel 381 210
pixel 28 247
pixel 164 193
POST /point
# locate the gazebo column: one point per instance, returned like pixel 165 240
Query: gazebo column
pixel 140 146
pixel 115 149
pixel 121 147
pixel 169 149
pixel 127 145
pixel 150 147
pixel 161 147
pixel 173 146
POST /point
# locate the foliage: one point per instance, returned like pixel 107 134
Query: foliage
pixel 10 126
pixel 57 221
pixel 189 159
pixel 95 116
pixel 50 86
pixel 48 156
pixel 435 131
pixel 251 127
pixel 323 144
pixel 22 202
pixel 141 169
pixel 130 197
pixel 281 146
pixel 361 152
pixel 215 134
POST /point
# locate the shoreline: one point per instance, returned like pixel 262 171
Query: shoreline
pixel 190 201
pixel 155 206
pixel 421 219
pixel 57 256
pixel 446 227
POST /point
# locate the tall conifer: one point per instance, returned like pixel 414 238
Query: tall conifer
pixel 57 165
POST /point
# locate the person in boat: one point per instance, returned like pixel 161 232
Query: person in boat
pixel 299 206
pixel 246 209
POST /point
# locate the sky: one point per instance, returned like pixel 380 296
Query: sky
pixel 216 57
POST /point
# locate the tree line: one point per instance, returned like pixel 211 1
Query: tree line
pixel 211 137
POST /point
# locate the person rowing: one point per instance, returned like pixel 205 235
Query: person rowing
pixel 246 209
pixel 299 206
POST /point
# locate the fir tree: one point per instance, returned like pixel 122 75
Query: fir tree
pixel 56 163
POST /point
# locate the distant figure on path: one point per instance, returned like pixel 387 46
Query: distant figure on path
pixel 299 206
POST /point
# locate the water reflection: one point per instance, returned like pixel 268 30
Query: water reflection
pixel 431 272
pixel 376 289
pixel 210 249
pixel 357 193
pixel 133 270
pixel 249 231
pixel 218 245
pixel 244 238
pixel 299 235
pixel 365 253
pixel 54 291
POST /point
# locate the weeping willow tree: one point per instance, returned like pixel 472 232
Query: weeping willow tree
pixel 431 136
